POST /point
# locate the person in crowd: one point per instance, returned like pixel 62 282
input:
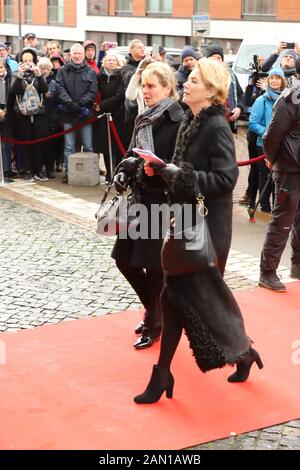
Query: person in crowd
pixel 90 51
pixel 30 40
pixel 287 62
pixel 104 48
pixel 201 302
pixel 260 117
pixel 13 65
pixel 155 129
pixel 76 90
pixel 281 146
pixel 57 61
pixel 52 47
pixel 235 101
pixel 29 127
pixel 67 54
pixel 189 58
pixel 256 87
pixel 5 117
pixel 136 54
pixel 134 90
pixel 112 94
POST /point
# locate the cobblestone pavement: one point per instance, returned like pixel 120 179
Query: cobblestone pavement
pixel 53 268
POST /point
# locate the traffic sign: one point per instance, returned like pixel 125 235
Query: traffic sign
pixel 200 25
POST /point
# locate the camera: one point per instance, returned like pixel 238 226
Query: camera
pixel 290 45
pixel 255 71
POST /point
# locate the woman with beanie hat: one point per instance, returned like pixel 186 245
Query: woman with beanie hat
pixel 259 119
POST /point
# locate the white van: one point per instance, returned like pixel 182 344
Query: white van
pixel 264 46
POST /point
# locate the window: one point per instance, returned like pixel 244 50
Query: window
pixel 55 11
pixel 123 6
pixel 8 11
pixel 259 7
pixel 159 6
pixel 28 11
pixel 97 8
pixel 201 6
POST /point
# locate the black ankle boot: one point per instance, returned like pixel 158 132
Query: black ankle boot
pixel 243 367
pixel 161 380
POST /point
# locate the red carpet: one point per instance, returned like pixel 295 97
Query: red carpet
pixel 70 385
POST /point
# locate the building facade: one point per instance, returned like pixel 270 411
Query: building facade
pixel 167 22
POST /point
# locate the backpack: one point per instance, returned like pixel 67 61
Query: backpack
pixel 31 102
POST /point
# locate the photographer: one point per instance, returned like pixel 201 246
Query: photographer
pixel 289 58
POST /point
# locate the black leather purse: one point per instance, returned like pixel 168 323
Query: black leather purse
pixel 190 250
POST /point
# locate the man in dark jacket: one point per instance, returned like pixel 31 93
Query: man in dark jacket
pixel 189 58
pixel 76 88
pixel 282 150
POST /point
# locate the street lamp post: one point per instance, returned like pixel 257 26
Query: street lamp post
pixel 20 25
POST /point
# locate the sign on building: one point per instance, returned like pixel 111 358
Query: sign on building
pixel 200 25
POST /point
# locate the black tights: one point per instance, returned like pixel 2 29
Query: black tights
pixel 148 284
pixel 171 333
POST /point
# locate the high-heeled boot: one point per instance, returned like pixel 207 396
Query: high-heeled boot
pixel 161 381
pixel 244 365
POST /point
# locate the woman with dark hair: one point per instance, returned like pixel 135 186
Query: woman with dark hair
pixel 200 302
pixel 139 259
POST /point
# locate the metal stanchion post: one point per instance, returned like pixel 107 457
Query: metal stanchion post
pixel 108 119
pixel 2 179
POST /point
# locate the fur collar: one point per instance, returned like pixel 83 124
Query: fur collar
pixel 190 127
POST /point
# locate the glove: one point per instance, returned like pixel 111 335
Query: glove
pixel 84 112
pixel 129 165
pixel 121 182
pixel 74 109
pixel 167 173
pixel 62 108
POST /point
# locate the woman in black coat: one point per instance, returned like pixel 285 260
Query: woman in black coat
pixel 139 259
pixel 112 96
pixel 201 302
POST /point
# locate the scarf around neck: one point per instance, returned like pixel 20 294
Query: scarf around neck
pixel 145 121
pixel 273 95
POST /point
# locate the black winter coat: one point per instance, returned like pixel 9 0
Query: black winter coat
pixel 282 138
pixel 202 301
pixel 76 84
pixel 208 149
pixel 151 190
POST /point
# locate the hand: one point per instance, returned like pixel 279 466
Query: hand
pixel 280 47
pixel 268 164
pixel 36 70
pixel 74 109
pixel 21 70
pixel 262 83
pixel 129 165
pixel 84 112
pixel 2 114
pixel 235 114
pixel 167 173
pixel 121 182
pixel 148 170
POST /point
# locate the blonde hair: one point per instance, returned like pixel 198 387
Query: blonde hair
pixel 164 74
pixel 215 76
pixel 119 58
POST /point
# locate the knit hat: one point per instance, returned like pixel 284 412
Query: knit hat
pixel 276 71
pixel 290 52
pixel 88 43
pixel 214 49
pixel 32 51
pixel 190 51
pixel 57 56
pixel 3 46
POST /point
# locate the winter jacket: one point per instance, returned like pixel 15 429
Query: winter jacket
pixel 76 84
pixel 261 115
pixel 282 138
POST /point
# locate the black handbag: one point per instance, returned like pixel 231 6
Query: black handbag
pixel 113 217
pixel 190 250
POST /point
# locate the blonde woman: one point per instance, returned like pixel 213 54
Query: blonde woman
pixel 139 259
pixel 201 302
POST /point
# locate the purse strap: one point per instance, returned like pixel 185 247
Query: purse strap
pixel 198 195
pixel 110 184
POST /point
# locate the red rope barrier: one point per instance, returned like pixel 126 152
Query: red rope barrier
pixel 250 162
pixel 117 137
pixel 52 136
